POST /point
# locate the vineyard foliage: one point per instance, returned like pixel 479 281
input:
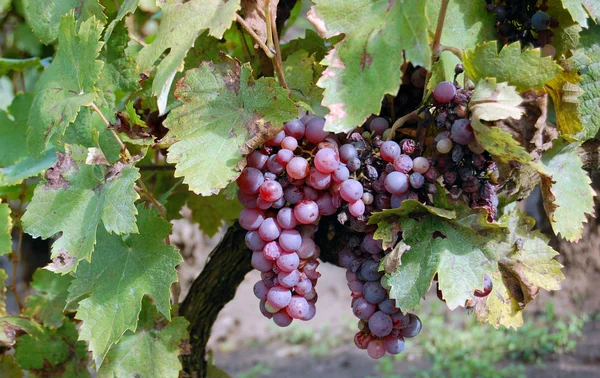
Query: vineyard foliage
pixel 115 114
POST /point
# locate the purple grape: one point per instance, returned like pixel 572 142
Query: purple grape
pixel 380 324
pixel 444 92
pixel 462 132
pixel 374 292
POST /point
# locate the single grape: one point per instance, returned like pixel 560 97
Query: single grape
pixel 271 191
pixel 345 258
pixel 298 307
pixel 318 180
pixel 288 279
pixel 276 141
pixel 340 174
pixel 254 241
pixel 548 50
pixel 388 306
pixel 326 160
pixel 417 180
pixel 367 198
pixel 380 324
pixel 261 290
pixel 393 344
pixel 396 201
pixel 540 20
pixel 314 132
pixel 362 339
pixel 279 297
pixel 413 328
pixel 278 204
pixel 444 92
pixel 356 287
pixel 420 165
pixel 288 261
pixel 370 270
pixel 257 160
pixel 282 319
pixel 501 13
pixel 286 218
pixel 251 219
pixel 263 309
pixel 408 146
pixel 290 240
pixel 444 145
pixel 250 180
pixel 363 309
pixel 389 150
pixel 378 125
pixel 374 292
pixel 370 245
pixel 303 286
pixel 403 163
pixel 356 208
pixel 269 230
pixel 462 132
pixel 272 250
pixel 312 310
pixel 289 143
pixel 347 152
pixel 307 248
pixel 310 193
pixel 294 128
pixel 247 200
pixel 396 183
pixel 326 205
pixel 262 204
pixel 284 156
pixel 260 263
pixel 273 165
pixel 297 168
pixel 353 164
pixel 400 320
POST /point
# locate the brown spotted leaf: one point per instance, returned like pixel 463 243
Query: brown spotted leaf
pixel 254 15
pixel 225 114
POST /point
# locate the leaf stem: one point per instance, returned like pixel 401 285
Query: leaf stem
pixel 277 63
pixel 137 39
pixel 400 122
pixel 270 54
pixel 112 130
pixel 143 191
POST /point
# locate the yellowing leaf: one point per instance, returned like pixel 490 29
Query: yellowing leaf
pixel 565 94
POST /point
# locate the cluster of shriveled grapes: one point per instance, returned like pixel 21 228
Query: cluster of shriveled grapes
pixel 525 21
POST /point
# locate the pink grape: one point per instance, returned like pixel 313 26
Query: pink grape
pixel 347 152
pixel 325 204
pixel 269 230
pixel 378 125
pixel 356 208
pixel 363 309
pixel 272 250
pixel 271 191
pixel 340 174
pixel 403 163
pixel 351 190
pixel 393 345
pixel 326 160
pixel 396 183
pixel 289 143
pixel 286 218
pixel 314 132
pixel 375 349
pixel 251 219
pixel 261 290
pixel 312 311
pixel 279 203
pixel 250 180
pixel 298 168
pixel 298 307
pixel 279 296
pixel 307 248
pixel 389 151
pixel 262 204
pixel 288 279
pixel 306 211
pixel 254 241
pixel 420 165
pixel 282 319
pixel 362 339
pixel 260 263
pixel 284 156
pixel 310 193
pixel 294 128
pixel 276 141
pixel 318 180
pixel 290 240
pixel 273 165
pixel 303 286
pixel 462 132
pixel 444 92
pixel 288 261
pixel 257 160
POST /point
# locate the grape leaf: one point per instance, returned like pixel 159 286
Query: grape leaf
pixel 567 194
pixel 408 207
pixel 128 6
pixel 460 251
pixel 587 60
pixel 5 229
pixel 593 8
pixel 53 353
pixel 210 212
pixel 47 306
pixel 499 307
pixel 181 24
pixel 565 94
pixel 301 72
pixel 377 35
pixel 122 271
pixel 526 70
pixel 152 351
pixel 312 43
pixel 26 168
pixel 226 112
pixel 491 102
pixel 73 198
pixel 3 277
pixel 67 84
pixel 443 70
pixel 9 325
pixel 9 366
pixel 44 17
pixel 566 36
pixel 7 65
pixel 577 11
pixel 467 23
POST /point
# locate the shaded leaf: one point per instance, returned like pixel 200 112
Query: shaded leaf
pixel 301 72
pixel 565 93
pixel 5 230
pixel 7 64
pixel 128 6
pixel 210 212
pixel 48 304
pixel 9 367
pixel 10 325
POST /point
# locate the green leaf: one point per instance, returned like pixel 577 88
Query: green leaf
pixel 228 113
pixel 28 167
pixel 500 307
pixel 122 271
pixel 67 84
pixel 443 70
pixel 17 64
pixel 577 11
pixel 408 207
pixel 210 212
pixel 459 250
pixel 9 325
pixel 5 229
pixel 133 117
pixel 312 43
pixel 378 34
pixel 567 194
pixel 180 25
pixel 593 8
pixel 492 102
pixel 526 70
pixel 566 36
pixel 44 17
pixel 587 61
pixel 128 6
pixel 73 199
pixel 467 23
pixel 13 129
pixel 3 277
pixel 48 305
pixel 9 367
pixel 152 351
pixel 301 72
pixel 53 353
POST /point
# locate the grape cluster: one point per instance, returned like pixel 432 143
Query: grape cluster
pixel 525 21
pixel 382 326
pixel 466 168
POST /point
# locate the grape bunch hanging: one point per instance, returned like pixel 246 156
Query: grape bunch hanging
pixel 305 173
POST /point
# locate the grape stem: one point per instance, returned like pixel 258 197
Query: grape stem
pixel 436 48
pixel 268 52
pixel 400 122
pixel 112 130
pixel 144 192
pixel 16 253
pixel 277 63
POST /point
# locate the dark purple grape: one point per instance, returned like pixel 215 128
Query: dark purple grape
pixel 444 92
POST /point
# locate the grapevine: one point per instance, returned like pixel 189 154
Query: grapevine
pixel 394 141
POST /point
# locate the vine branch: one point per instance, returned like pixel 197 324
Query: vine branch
pixel 277 63
pixel 254 36
pixel 16 253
